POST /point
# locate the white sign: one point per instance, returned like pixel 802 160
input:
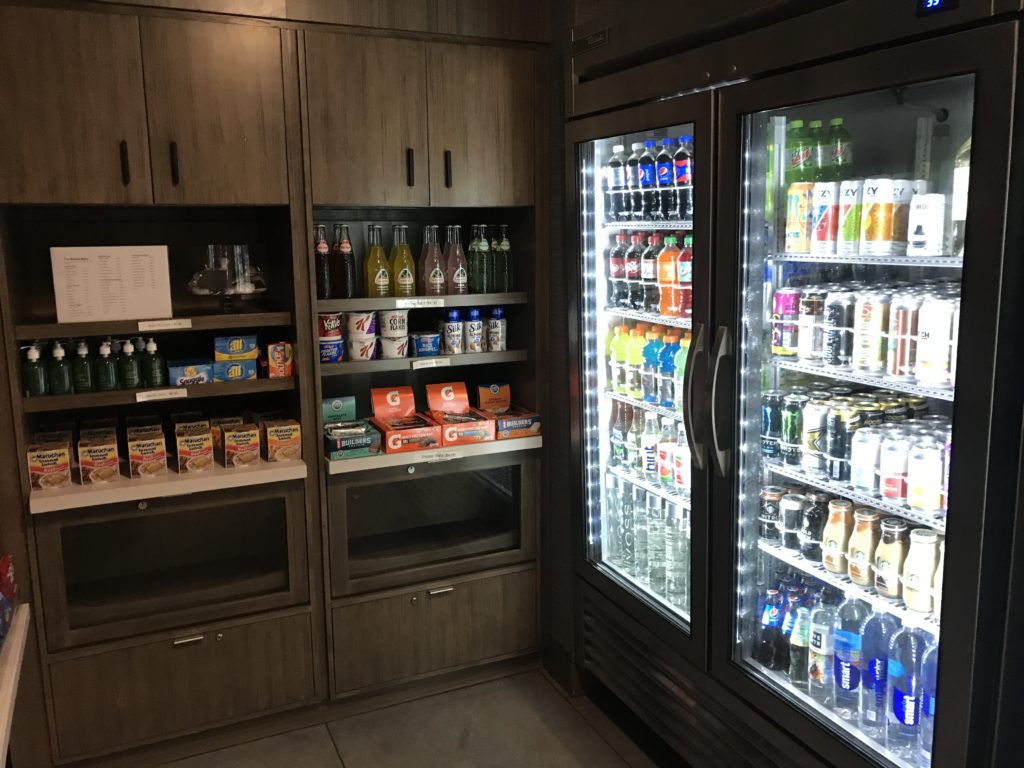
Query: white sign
pixel 418 303
pixel 431 362
pixel 180 324
pixel 161 394
pixel 129 282
pixel 445 454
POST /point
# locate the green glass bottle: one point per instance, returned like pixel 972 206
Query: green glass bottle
pixel 106 369
pixel 83 370
pixel 154 372
pixel 59 372
pixel 33 374
pixel 128 371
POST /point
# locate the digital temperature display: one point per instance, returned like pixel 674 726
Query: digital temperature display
pixel 928 7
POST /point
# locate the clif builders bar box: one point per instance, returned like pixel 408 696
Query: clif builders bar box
pixel 394 414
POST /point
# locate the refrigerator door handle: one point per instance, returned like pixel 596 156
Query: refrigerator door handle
pixel 722 351
pixel 698 450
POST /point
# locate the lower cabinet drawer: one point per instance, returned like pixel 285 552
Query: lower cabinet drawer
pixel 386 638
pixel 114 699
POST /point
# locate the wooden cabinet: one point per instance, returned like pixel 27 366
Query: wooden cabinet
pixel 380 639
pixel 109 700
pixel 367 100
pixel 482 122
pixel 215 100
pixel 73 125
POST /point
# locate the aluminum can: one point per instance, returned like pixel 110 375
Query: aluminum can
pixel 824 218
pixel 842 421
pixel 871 412
pixel 785 319
pixel 811 327
pixel 771 423
pixel 917 406
pixel 815 415
pixel 895 409
pixel 791 512
pixel 838 329
pixel 892 467
pixel 935 342
pixel 901 353
pixel 799 201
pixel 925 474
pixel 871 323
pixel 864 452
pixel 851 203
pixel 792 428
pixel 876 220
pixel 903 193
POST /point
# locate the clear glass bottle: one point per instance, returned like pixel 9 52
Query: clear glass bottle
pixel 432 264
pixel 656 544
pixel 376 268
pixel 403 266
pixel 456 269
pixel 503 275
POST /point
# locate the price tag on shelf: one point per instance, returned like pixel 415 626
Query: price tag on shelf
pixel 431 362
pixel 445 454
pixel 419 303
pixel 171 324
pixel 161 394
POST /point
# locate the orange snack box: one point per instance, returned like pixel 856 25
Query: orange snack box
pixel 494 398
pixel 49 464
pixel 460 425
pixel 403 430
pixel 278 360
pixel 282 440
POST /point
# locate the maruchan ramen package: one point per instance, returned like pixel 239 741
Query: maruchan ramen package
pixel 227 348
pixel 394 414
pixel 193 448
pixel 448 405
pixel 49 464
pixel 98 459
pixel 239 446
pixel 147 452
pixel 282 440
pixel 217 428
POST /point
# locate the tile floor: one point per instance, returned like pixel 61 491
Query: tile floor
pixel 523 720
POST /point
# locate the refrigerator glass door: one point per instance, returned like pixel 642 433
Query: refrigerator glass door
pixel 636 223
pixel 853 231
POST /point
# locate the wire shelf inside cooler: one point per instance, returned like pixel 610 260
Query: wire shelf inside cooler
pixel 857 377
pixel 947 262
pixel 660 491
pixel 650 317
pixel 651 407
pixel 660 226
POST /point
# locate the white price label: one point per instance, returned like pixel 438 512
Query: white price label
pixel 431 362
pixel 418 303
pixel 161 394
pixel 446 454
pixel 173 324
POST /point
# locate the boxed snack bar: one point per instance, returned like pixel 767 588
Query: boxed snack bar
pixel 337 409
pixel 350 440
pixel 194 448
pixel 235 348
pixel 517 422
pixel 147 452
pixel 279 360
pixel 182 373
pixel 239 446
pixel 234 370
pixel 98 459
pixel 448 405
pixel 394 414
pixel 49 464
pixel 494 398
pixel 282 440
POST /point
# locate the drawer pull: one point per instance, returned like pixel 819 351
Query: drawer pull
pixel 188 640
pixel 440 591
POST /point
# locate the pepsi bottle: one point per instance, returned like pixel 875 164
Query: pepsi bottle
pixel 634 282
pixel 648 182
pixel 769 637
pixel 665 173
pixel 682 161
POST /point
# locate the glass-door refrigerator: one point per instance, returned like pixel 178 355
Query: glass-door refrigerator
pixel 856 415
pixel 642 184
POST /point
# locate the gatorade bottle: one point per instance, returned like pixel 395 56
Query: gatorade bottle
pixel 682 161
pixel 680 363
pixel 798 154
pixel 634 197
pixel 609 368
pixel 634 363
pixel 668 278
pixel 821 160
pixel 665 176
pixel 840 146
pixel 634 287
pixel 649 273
pixel 667 372
pixel 615 186
pixel 649 376
pixel 684 269
pixel 619 359
pixel 648 181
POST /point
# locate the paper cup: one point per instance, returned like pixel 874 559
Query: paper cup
pixel 394 348
pixel 394 323
pixel 361 323
pixel 426 344
pixel 332 351
pixel 361 347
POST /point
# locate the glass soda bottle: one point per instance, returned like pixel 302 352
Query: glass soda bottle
pixel 503 280
pixel 456 272
pixel 485 258
pixel 322 261
pixel 432 278
pixel 875 636
pixel 848 666
pixel 376 267
pixel 345 285
pixel 840 148
pixel 668 278
pixel 403 266
pixel 656 544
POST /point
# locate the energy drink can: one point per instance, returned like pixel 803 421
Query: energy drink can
pixel 901 354
pixel 799 201
pixel 824 218
pixel 876 221
pixel 811 330
pixel 851 203
pixel 785 319
pixel 870 326
pixel 771 423
pixel 838 329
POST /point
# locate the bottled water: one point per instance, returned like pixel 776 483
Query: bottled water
pixel 929 675
pixel 903 726
pixel 677 558
pixel 875 636
pixel 627 558
pixel 656 544
pixel 821 648
pixel 649 447
pixel 641 548
pixel 611 523
pixel 847 668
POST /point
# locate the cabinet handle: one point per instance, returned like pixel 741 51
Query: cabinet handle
pixel 721 352
pixel 448 168
pixel 175 175
pixel 188 640
pixel 126 171
pixel 410 167
pixel 440 591
pixel 697 447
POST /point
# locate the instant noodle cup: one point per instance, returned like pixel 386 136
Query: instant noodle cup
pixel 394 349
pixel 362 348
pixel 394 323
pixel 361 323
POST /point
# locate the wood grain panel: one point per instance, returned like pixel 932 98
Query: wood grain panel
pixel 521 20
pixel 409 15
pixel 481 102
pixel 215 90
pixel 367 100
pixel 70 93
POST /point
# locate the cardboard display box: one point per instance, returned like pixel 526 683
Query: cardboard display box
pixel 403 430
pixel 448 405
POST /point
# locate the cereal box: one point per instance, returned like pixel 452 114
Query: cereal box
pixel 234 370
pixel 394 414
pixel 182 373
pixel 235 348
pixel 282 440
pixel 49 464
pixel 494 398
pixel 461 425
pixel 239 446
pixel 98 459
pixel 194 449
pixel 147 452
pixel 279 360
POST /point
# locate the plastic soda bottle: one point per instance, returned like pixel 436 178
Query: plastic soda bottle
pixel 684 269
pixel 840 148
pixel 634 197
pixel 403 265
pixel 821 157
pixel 634 363
pixel 821 648
pixel 649 375
pixel 665 171
pixel 378 272
pixel 798 153
pixel 667 372
pixel 648 181
pixel 668 278
pixel 456 269
pixel 619 348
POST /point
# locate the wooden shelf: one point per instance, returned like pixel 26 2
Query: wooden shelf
pixel 422 302
pixel 129 396
pixel 344 466
pixel 10 672
pixel 225 322
pixel 171 484
pixel 354 368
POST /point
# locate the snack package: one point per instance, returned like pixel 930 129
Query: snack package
pixel 147 452
pixel 239 446
pixel 351 440
pixel 282 440
pixel 193 448
pixel 494 398
pixel 337 409
pixel 279 360
pixel 98 458
pixel 49 464
pixel 394 414
pixel 448 405
pixel 517 422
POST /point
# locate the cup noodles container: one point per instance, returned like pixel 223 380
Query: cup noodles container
pixel 182 373
pixel 851 206
pixel 926 226
pixel 235 348
pixel 903 195
pixel 394 349
pixel 799 201
pixel 328 326
pixel 460 425
pixel 235 370
pixel 877 217
pixel 49 465
pixel 402 429
pixel 98 459
pixel 361 323
pixel 516 422
pixel 332 351
pixel 825 218
pixel 362 348
pixel 282 440
pixel 279 360
pixel 194 449
pixel 494 398
pixel 147 452
pixel 394 323
pixel 239 447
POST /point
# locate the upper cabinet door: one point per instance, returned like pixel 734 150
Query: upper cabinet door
pixel 215 98
pixel 367 100
pixel 72 110
pixel 481 125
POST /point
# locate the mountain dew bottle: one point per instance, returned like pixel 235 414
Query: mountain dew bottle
pixel 635 363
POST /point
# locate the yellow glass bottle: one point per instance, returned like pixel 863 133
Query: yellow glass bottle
pixel 377 269
pixel 403 266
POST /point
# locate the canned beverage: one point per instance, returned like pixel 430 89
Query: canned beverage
pixel 768 520
pixel 935 342
pixel 918 408
pixel 871 323
pixel 953 339
pixel 871 413
pixel 901 353
pixel 328 326
pixel 454 333
pixel 785 319
pixel 840 390
pixel 842 421
pixel 903 193
pixel 824 218
pixel 838 329
pixel 799 201
pixel 810 327
pixel 935 419
pixel 864 452
pixel 497 331
pixel 791 512
pixel 876 220
pixel 892 467
pixel 925 473
pixel 771 423
pixel 896 410
pixel 792 428
pixel 850 208
pixel 797 390
pixel 815 415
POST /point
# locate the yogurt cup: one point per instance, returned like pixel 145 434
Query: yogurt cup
pixel 394 323
pixel 361 323
pixel 394 348
pixel 362 347
pixel 426 344
pixel 332 351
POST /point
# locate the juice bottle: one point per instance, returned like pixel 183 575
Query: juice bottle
pixel 634 363
pixel 609 365
pixel 649 376
pixel 668 278
pixel 403 266
pixel 59 372
pixel 378 275
pixel 456 271
pixel 619 359
pixel 432 280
